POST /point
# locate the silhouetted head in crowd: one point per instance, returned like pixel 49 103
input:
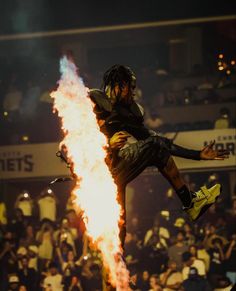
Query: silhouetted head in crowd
pixel 172 265
pixel 145 275
pixel 25 262
pixel 187 258
pixel 19 214
pixel 180 236
pixel 13 282
pixel 53 268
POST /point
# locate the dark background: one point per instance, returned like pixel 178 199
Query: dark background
pixel 30 16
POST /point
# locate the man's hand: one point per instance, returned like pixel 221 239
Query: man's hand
pixel 118 140
pixel 208 153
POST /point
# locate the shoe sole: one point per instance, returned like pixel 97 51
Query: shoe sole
pixel 205 208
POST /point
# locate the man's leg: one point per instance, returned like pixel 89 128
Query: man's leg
pixel 172 174
pixel 194 203
pixel 154 152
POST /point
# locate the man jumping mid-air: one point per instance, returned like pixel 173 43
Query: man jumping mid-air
pixel 133 147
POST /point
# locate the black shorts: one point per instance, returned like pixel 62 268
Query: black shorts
pixel 132 160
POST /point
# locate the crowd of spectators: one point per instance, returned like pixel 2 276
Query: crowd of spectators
pixel 26 106
pixel 45 250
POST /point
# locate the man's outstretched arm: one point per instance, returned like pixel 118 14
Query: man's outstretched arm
pixel 207 153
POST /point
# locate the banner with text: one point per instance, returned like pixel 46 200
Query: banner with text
pixel 224 139
pixel 31 161
pixel 39 160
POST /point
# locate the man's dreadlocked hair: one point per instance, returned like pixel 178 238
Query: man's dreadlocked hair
pixel 118 74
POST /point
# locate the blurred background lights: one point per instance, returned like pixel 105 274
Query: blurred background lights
pixel 25 138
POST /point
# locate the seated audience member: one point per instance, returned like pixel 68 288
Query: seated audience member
pixel 212 179
pixel 154 283
pixel 53 279
pixel 25 203
pixel 29 237
pixel 18 223
pixel 154 252
pixel 67 234
pixel 211 215
pixel 33 256
pixel 223 121
pixel 47 205
pixel 134 227
pixel 216 253
pixel 171 203
pixel 91 275
pixel 3 213
pixel 188 233
pixel 222 227
pixel 69 267
pixel 131 249
pixel 224 284
pixel 21 253
pixel 231 216
pixel 143 282
pixel 22 288
pixel 133 281
pixel 28 276
pixel 171 279
pixel 13 282
pixel 175 252
pixel 190 261
pixel 75 220
pixel 217 257
pixel 230 259
pixel 195 282
pixel 8 258
pixel 75 284
pixel 210 235
pixel 158 230
pixel 44 238
pixel 203 255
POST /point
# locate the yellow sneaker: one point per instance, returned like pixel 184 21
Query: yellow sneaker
pixel 202 200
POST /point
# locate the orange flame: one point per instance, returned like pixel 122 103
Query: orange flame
pixel 96 191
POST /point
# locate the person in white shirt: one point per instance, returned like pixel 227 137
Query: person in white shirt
pixel 47 205
pixel 223 121
pixel 162 232
pixel 3 213
pixel 171 279
pixel 25 203
pixel 53 281
pixel 66 233
pixel 190 261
